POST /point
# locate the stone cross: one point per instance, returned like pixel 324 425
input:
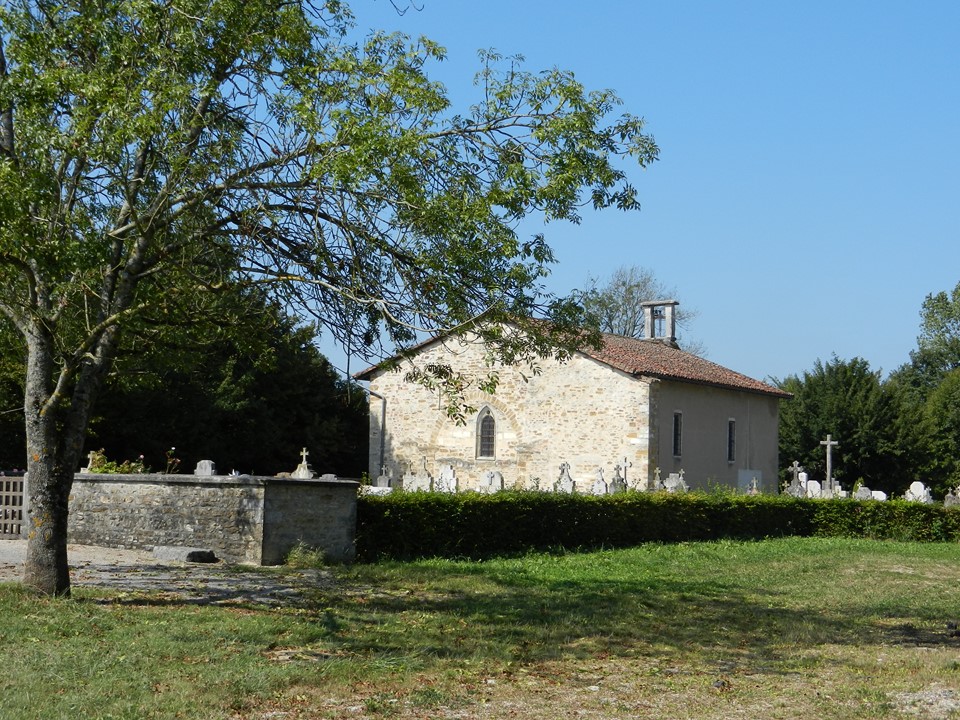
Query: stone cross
pixel 830 444
pixel 796 470
pixel 623 466
pixel 303 456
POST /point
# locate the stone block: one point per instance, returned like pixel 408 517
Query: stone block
pixel 184 554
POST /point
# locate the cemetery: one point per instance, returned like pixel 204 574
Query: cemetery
pixel 258 520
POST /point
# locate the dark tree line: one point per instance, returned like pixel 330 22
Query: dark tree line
pixel 248 397
pixel 891 431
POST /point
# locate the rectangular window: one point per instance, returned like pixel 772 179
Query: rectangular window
pixel 731 440
pixel 677 433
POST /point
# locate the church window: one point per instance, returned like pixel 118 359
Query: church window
pixel 486 435
pixel 731 440
pixel 677 434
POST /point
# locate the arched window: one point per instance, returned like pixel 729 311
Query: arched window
pixel 486 435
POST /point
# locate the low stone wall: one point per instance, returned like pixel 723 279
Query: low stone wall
pixel 244 519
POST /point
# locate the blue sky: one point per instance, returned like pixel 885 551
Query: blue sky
pixel 806 199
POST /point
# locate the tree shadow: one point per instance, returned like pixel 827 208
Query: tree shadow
pixel 521 621
pixel 499 617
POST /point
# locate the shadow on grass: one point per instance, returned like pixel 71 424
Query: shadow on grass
pixel 420 614
pixel 507 617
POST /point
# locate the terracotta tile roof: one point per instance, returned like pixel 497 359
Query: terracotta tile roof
pixel 651 358
pixel 654 358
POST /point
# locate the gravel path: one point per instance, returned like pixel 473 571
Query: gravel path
pixel 138 572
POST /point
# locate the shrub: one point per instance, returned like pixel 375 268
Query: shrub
pixel 405 526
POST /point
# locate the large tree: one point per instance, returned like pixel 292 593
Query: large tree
pixel 926 391
pixel 845 399
pixel 154 153
pixel 247 400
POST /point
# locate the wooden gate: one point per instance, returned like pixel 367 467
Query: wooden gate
pixel 11 507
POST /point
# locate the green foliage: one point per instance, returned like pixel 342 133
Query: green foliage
pixel 890 520
pixel 249 402
pixel 939 340
pixel 942 425
pixel 846 400
pixel 410 525
pixel 184 148
pixel 893 432
pixel 247 399
pixel 99 463
pixel 304 557
pixel 404 526
pixel 155 157
pixel 925 390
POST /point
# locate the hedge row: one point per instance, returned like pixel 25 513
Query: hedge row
pixel 405 526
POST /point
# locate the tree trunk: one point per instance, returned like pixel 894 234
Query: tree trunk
pixel 45 568
pixel 50 465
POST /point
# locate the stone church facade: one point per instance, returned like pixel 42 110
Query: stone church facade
pixel 641 404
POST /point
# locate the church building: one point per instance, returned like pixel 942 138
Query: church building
pixel 639 410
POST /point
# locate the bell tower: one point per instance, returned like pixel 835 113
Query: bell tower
pixel 660 321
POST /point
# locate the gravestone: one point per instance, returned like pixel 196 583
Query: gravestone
pixel 675 483
pixel 565 483
pixel 418 482
pixel 206 468
pixel 754 487
pixel 491 482
pixel 384 479
pixel 653 484
pixel 795 488
pixel 918 492
pixel 878 495
pixel 863 493
pixel 447 482
pixel 303 471
pixel 599 486
pixel 619 482
pixel 950 499
pixel 90 458
pixel 812 489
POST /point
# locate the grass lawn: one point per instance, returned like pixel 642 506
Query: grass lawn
pixel 794 628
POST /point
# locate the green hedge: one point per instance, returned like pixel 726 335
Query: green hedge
pixel 406 526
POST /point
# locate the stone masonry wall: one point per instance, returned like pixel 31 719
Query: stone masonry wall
pixel 319 513
pixel 580 412
pixel 236 517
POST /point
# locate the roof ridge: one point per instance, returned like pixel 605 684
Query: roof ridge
pixel 656 358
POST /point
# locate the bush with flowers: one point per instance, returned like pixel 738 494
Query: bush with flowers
pixel 100 464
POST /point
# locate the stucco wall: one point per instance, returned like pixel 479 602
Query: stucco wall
pixel 706 411
pixel 242 519
pixel 580 412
